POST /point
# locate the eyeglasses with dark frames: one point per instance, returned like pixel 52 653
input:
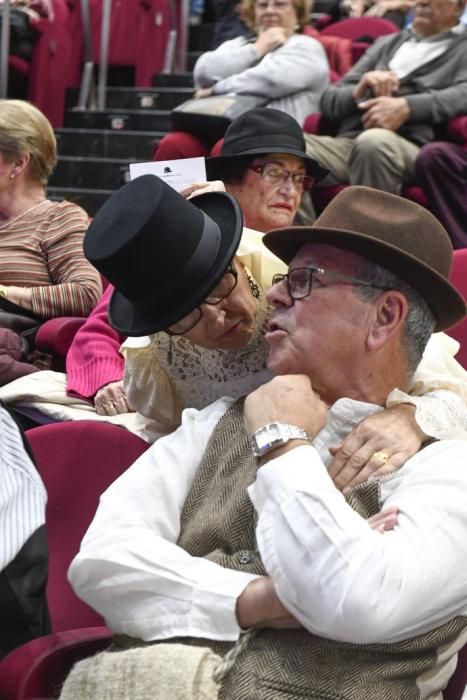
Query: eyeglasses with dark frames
pixel 223 288
pixel 277 175
pixel 300 280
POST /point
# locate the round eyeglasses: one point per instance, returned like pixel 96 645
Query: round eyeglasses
pixel 300 280
pixel 277 175
pixel 222 290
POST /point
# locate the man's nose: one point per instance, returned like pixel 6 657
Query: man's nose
pixel 278 295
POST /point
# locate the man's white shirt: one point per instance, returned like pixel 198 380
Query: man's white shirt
pixel 337 576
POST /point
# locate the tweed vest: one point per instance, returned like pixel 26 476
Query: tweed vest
pixel 218 523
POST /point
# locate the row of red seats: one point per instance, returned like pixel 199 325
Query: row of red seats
pixel 77 461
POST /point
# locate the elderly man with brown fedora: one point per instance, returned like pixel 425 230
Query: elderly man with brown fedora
pixel 233 523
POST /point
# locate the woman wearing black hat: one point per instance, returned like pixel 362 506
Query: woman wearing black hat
pixel 263 163
pixel 178 280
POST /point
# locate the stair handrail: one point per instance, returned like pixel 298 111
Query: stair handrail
pixel 5 49
pixel 172 37
pixel 87 77
pixel 104 55
pixel 183 35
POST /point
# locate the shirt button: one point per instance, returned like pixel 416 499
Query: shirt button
pixel 245 558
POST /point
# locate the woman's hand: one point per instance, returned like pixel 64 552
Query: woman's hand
pixel 202 187
pixel 21 296
pixel 203 92
pixel 378 445
pixel 381 7
pixel 270 39
pixel 111 400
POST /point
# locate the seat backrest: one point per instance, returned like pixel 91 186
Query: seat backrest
pixel 338 50
pixel 355 28
pixel 77 461
pixel 459 280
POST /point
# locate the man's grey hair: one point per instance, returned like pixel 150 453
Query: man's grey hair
pixel 420 321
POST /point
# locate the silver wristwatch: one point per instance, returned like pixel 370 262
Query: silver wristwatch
pixel 275 434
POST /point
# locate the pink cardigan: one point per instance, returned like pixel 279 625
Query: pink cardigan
pixel 93 359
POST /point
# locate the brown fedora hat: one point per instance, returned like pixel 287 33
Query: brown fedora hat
pixel 393 232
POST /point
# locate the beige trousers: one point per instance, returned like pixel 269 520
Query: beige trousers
pixel 376 158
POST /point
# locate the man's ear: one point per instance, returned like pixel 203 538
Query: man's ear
pixel 391 310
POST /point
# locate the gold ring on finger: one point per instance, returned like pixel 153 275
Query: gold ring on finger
pixel 381 457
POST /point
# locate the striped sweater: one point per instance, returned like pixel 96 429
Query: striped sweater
pixel 45 251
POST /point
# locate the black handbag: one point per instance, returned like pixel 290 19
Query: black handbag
pixel 209 117
pixel 20 321
pixel 23 36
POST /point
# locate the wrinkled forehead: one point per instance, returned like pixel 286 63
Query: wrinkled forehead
pixel 284 159
pixel 330 257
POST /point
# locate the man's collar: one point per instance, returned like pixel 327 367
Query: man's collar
pixel 459 28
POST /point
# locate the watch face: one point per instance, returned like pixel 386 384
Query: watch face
pixel 274 434
pixel 266 438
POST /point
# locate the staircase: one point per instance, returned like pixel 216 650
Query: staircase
pixel 96 147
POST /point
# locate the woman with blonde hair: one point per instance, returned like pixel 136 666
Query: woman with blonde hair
pixel 43 270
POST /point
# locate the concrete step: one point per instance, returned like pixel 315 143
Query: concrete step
pixel 119 119
pixel 91 200
pixel 150 98
pixel 173 79
pixel 91 173
pixel 106 143
pixel 191 58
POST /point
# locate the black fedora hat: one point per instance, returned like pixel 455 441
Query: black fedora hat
pixel 162 253
pixel 258 132
pixel 391 231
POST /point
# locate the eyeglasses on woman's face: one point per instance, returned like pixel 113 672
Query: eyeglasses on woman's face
pixel 222 290
pixel 300 280
pixel 277 175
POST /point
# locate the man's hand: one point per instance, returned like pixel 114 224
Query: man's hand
pixel 385 112
pixel 288 399
pixel 259 606
pixel 394 432
pixel 111 400
pixel 270 39
pixel 385 520
pixel 381 83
